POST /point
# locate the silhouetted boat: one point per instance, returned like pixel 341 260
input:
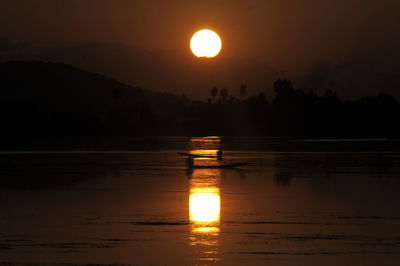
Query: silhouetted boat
pixel 196 155
pixel 224 166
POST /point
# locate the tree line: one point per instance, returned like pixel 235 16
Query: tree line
pixel 292 113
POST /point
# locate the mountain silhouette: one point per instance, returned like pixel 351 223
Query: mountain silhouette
pixel 49 98
pixel 172 71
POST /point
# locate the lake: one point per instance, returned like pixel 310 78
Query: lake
pixel 133 201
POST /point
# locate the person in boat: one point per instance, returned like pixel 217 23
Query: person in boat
pixel 219 155
pixel 189 161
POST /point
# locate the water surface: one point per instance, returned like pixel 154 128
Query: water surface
pixel 142 206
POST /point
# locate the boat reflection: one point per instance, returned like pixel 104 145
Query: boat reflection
pixel 205 213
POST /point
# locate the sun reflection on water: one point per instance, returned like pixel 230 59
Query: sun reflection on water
pixel 205 213
pixel 204 205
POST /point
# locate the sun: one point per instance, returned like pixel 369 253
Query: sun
pixel 205 43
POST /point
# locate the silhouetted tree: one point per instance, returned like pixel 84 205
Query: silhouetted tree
pixel 283 90
pixel 243 91
pixel 214 92
pixel 224 94
pixel 328 93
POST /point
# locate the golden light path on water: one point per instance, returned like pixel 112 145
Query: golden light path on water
pixel 205 202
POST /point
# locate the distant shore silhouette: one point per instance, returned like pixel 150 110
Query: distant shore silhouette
pixel 49 99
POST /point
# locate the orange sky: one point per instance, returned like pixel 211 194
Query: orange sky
pixel 285 33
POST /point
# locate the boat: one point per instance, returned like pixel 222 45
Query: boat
pixel 196 155
pixel 223 166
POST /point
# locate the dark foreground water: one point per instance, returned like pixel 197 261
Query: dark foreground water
pixel 323 203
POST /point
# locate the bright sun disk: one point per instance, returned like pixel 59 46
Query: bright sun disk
pixel 205 43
